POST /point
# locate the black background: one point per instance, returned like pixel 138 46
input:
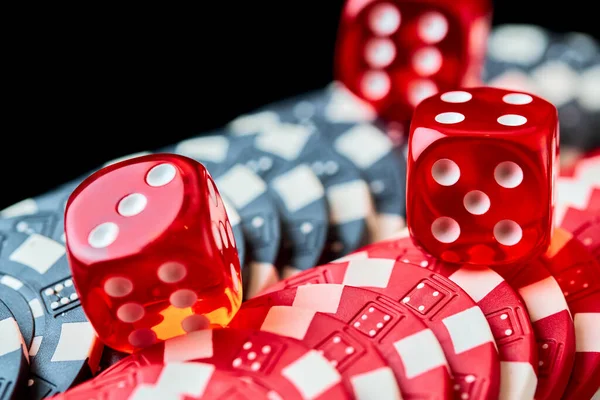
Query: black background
pixel 86 86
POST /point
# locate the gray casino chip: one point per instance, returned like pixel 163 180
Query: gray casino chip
pixel 249 193
pixel 44 214
pixel 297 193
pixel 35 280
pixel 562 68
pixel 569 77
pixel 351 128
pixel 347 194
pixel 14 361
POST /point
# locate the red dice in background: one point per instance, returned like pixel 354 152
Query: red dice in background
pixel 152 251
pixel 482 165
pixel 395 53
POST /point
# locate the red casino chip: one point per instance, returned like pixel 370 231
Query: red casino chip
pixel 505 312
pixel 364 370
pixel 283 365
pixel 588 234
pixel 552 324
pixel 578 274
pixel 361 322
pixel 183 381
pixel 553 329
pixel 578 193
pixel 446 309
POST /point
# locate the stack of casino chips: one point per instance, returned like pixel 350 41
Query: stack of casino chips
pixel 340 303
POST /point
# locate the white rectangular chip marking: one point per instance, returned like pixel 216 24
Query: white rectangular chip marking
pixel 298 187
pixel 36 308
pixel 24 207
pixel 477 282
pixel 35 345
pixel 259 122
pixel 344 106
pixel 288 321
pixel 232 214
pixel 517 380
pixel 385 225
pixel 596 395
pixel 189 379
pixel 372 272
pixel 587 332
pixel 241 185
pixel 324 298
pixel 286 141
pixel 207 148
pixel 312 375
pixel 414 360
pixel 175 381
pixel 349 202
pixel 379 384
pixel 75 343
pixel 11 282
pixel 543 298
pixel 468 329
pixel 11 336
pixel 38 252
pixel 359 255
pixel 364 144
pixel 194 345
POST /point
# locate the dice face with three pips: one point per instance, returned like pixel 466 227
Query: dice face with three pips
pixel 152 251
pixel 482 165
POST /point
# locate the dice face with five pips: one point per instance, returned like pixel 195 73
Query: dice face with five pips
pixel 152 251
pixel 482 164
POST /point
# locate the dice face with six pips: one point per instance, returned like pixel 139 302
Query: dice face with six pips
pixel 152 251
pixel 482 164
pixel 395 53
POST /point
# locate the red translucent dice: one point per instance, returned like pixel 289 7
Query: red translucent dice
pixel 152 251
pixel 482 164
pixel 395 53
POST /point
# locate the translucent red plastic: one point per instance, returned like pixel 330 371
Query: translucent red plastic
pixel 482 165
pixel 395 53
pixel 152 251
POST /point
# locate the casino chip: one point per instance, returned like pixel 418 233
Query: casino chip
pixel 187 380
pixel 283 365
pixel 577 272
pixel 43 214
pixel 445 308
pixel 349 125
pixel 505 312
pixel 340 178
pixel 552 324
pixel 301 203
pixel 361 322
pixel 562 68
pixel 35 282
pixel 578 193
pixel 14 362
pixel 254 201
pixel 297 192
pixel 362 368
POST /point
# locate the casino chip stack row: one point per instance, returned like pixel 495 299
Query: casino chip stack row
pixel 319 180
pixel 387 321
